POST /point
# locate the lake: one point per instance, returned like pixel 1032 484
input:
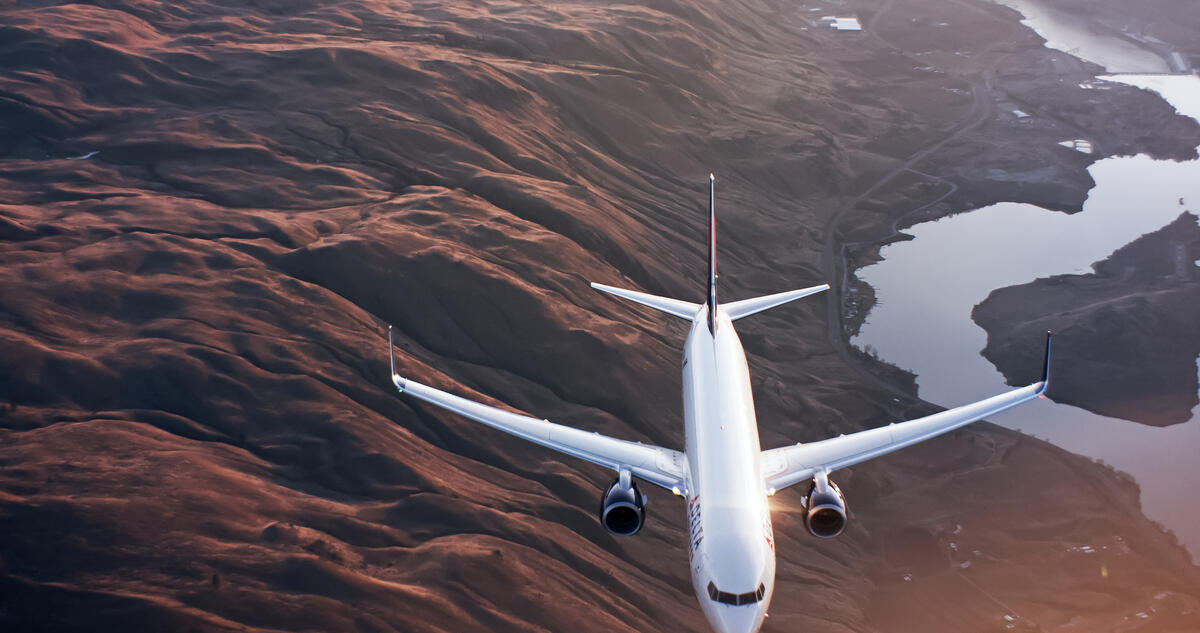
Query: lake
pixel 922 319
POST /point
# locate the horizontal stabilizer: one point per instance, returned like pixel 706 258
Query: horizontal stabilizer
pixel 682 309
pixel 746 307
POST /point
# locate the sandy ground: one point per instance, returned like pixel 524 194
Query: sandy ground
pixel 209 211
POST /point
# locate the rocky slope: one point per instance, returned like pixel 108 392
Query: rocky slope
pixel 211 209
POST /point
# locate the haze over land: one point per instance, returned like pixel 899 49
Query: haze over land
pixel 209 210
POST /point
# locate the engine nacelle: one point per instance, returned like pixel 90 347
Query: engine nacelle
pixel 825 511
pixel 623 507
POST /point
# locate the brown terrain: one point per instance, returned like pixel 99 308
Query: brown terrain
pixel 209 210
pixel 1129 328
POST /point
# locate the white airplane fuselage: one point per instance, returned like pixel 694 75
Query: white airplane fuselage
pixel 723 472
pixel 732 542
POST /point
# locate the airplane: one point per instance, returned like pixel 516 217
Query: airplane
pixel 722 472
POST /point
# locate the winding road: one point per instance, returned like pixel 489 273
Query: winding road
pixel 834 261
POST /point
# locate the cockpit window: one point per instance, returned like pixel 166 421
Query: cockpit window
pixel 736 599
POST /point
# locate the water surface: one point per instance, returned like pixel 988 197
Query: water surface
pixel 922 321
pixel 1067 33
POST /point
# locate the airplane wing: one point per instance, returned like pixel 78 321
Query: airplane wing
pixel 783 467
pixel 654 464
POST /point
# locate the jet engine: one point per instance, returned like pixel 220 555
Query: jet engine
pixel 623 507
pixel 825 511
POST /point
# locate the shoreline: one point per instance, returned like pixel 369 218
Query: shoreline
pixel 1142 289
pixel 856 298
pixel 203 418
pixel 853 255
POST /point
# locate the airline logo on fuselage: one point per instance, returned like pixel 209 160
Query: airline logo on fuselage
pixel 696 526
pixel 768 531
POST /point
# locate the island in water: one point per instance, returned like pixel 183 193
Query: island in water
pixel 1126 334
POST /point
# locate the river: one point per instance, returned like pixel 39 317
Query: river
pixel 922 317
pixel 1065 33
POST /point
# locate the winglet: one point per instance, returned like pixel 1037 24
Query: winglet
pixel 396 379
pixel 1046 365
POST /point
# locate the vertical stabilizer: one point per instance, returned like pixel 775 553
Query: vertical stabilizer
pixel 691 311
pixel 712 253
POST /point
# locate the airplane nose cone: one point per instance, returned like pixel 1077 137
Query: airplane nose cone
pixel 745 619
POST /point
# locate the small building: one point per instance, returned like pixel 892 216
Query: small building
pixel 843 24
pixel 1179 63
pixel 1079 145
pixel 847 24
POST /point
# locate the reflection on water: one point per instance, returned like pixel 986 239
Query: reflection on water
pixel 1066 33
pixel 922 321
